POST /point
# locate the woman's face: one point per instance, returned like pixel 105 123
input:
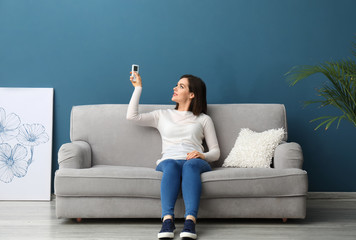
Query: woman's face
pixel 181 93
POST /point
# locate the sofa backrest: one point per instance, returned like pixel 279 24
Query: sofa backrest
pixel 117 141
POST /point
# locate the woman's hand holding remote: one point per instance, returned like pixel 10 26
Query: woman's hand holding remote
pixel 138 82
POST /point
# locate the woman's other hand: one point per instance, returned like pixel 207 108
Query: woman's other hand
pixel 195 154
pixel 138 82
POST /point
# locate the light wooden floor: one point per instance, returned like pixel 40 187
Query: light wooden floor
pixel 333 219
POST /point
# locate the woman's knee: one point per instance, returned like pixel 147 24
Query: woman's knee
pixel 168 165
pixel 192 163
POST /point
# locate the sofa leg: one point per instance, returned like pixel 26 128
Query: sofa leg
pixel 78 220
pixel 284 220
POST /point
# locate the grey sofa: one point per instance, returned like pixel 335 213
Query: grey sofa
pixel 108 168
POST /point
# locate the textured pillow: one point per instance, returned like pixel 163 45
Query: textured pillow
pixel 254 150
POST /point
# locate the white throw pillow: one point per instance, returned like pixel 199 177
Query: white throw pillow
pixel 253 149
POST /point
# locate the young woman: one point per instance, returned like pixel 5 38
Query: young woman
pixel 182 130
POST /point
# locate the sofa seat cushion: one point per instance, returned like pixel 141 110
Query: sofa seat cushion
pixel 108 181
pixel 124 181
pixel 254 182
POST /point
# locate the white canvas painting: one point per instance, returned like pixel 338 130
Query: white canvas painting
pixel 26 117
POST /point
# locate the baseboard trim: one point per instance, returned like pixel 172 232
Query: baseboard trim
pixel 331 195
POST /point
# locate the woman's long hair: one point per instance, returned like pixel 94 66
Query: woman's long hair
pixel 198 87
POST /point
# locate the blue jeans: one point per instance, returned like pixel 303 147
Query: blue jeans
pixel 185 173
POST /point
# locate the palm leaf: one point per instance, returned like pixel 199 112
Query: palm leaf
pixel 319 118
pixel 339 91
pixel 321 124
pixel 330 122
pixel 307 103
pixel 338 123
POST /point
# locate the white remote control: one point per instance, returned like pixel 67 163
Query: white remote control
pixel 135 68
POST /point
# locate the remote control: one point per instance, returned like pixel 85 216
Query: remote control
pixel 135 68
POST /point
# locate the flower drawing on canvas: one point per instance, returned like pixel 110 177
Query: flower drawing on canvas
pixel 13 161
pixel 32 134
pixel 8 126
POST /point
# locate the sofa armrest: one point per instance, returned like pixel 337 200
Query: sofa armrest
pixel 288 155
pixel 76 154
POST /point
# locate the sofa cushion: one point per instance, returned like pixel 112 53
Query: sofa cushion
pixel 143 182
pixel 103 180
pixel 254 182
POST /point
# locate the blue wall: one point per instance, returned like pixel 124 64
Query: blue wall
pixel 241 48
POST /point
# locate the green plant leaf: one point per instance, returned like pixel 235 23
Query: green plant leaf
pixel 339 91
pixel 330 122
pixel 321 124
pixel 319 118
pixel 338 123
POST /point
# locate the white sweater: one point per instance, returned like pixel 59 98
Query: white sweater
pixel 181 131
